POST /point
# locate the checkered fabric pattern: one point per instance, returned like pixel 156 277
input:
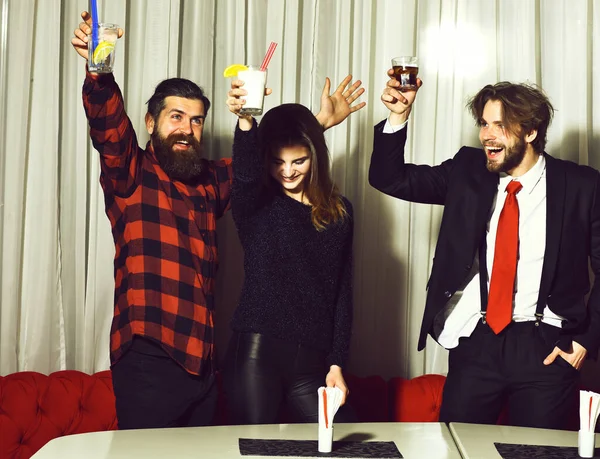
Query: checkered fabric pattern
pixel 164 233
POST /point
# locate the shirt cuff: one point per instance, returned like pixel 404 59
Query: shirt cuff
pixel 389 129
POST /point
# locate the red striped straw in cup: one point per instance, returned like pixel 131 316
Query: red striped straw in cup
pixel 268 56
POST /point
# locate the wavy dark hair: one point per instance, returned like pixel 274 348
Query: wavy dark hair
pixel 525 108
pixel 291 125
pixel 178 87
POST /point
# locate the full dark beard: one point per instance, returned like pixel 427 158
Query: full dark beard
pixel 185 166
pixel 512 158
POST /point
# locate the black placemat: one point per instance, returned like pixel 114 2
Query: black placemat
pixel 510 451
pixel 308 448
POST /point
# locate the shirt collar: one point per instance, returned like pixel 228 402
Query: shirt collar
pixel 529 179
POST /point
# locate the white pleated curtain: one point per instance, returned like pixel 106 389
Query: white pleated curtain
pixel 56 272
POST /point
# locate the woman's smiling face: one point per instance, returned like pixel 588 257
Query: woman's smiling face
pixel 290 167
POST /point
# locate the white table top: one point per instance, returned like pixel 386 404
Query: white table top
pixel 477 440
pixel 414 441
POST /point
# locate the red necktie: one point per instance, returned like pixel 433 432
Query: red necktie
pixel 504 270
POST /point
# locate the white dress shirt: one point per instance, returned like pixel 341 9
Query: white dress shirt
pixel 462 312
pixel 389 128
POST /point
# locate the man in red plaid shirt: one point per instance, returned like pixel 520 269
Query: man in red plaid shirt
pixel 163 202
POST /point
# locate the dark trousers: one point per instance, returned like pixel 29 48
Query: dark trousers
pixel 487 370
pixel 262 374
pixel 153 391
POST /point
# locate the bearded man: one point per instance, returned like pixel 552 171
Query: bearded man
pixel 163 202
pixel 507 291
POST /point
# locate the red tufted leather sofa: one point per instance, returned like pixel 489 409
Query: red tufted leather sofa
pixel 35 408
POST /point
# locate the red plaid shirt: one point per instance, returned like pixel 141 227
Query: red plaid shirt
pixel 165 237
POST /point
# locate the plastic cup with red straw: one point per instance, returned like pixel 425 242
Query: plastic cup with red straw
pixel 255 80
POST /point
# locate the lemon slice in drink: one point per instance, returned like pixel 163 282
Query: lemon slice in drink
pixel 102 51
pixel 233 70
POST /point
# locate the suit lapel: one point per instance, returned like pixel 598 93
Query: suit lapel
pixel 486 191
pixel 555 204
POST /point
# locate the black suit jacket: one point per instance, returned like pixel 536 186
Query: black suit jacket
pixel 466 189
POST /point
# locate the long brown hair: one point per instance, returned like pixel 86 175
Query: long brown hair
pixel 290 125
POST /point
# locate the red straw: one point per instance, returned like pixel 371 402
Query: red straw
pixel 325 409
pixel 590 417
pixel 268 56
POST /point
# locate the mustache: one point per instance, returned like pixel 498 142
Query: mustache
pixel 172 139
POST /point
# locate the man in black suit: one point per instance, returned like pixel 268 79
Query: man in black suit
pixel 521 329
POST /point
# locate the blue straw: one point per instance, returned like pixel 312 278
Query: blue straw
pixel 94 8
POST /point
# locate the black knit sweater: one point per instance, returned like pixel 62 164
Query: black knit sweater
pixel 298 281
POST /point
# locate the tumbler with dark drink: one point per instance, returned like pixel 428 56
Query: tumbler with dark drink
pixel 406 69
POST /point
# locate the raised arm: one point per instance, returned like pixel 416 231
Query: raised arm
pixel 111 130
pixel 247 164
pixel 336 107
pixel 389 172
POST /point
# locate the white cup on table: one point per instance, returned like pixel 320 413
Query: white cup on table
pixel 586 443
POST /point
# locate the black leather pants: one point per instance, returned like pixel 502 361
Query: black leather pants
pixel 264 374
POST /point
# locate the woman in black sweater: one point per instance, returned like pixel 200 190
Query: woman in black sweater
pixel 292 326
